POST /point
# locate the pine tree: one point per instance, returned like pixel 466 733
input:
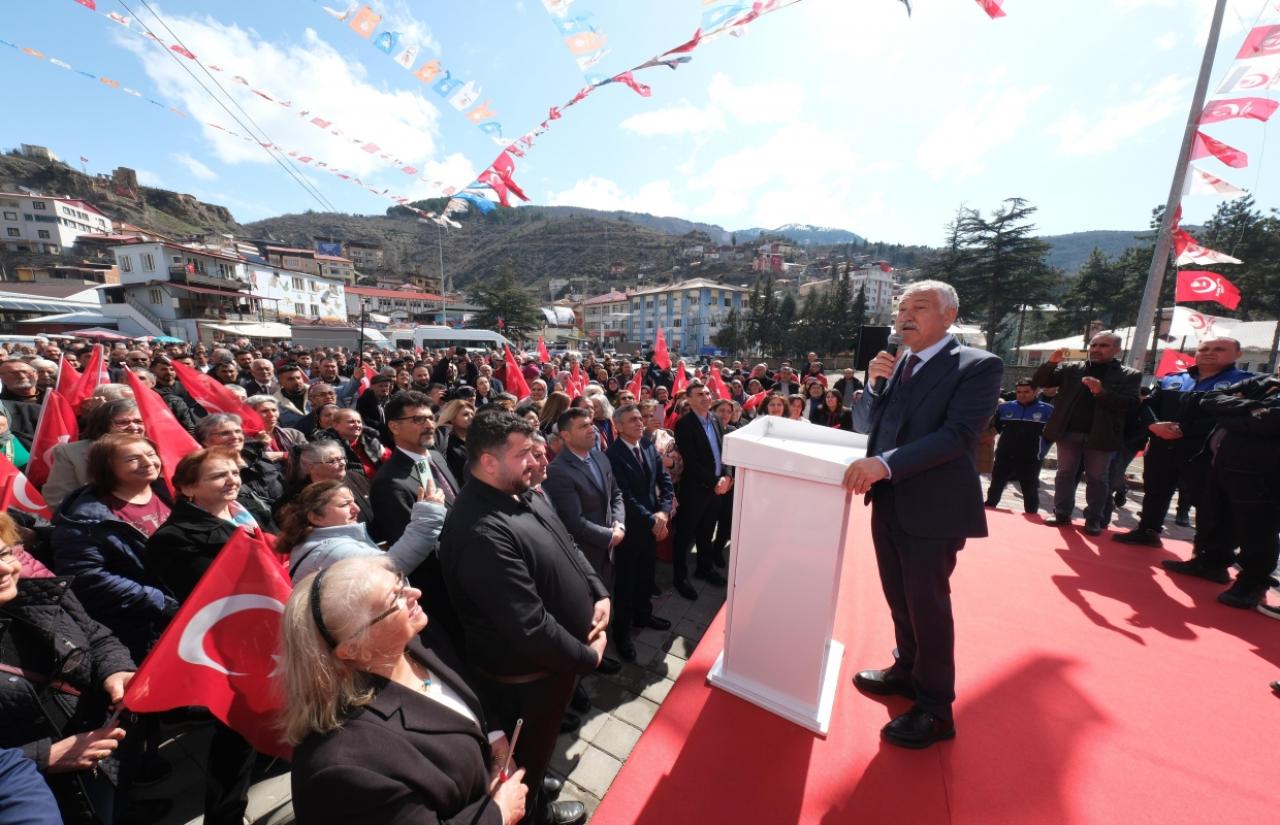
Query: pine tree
pixel 729 336
pixel 784 322
pixel 506 299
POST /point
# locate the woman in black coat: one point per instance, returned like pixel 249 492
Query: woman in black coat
pixel 833 413
pixel 384 729
pixel 62 672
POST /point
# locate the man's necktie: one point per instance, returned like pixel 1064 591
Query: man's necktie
pixel 910 369
pixel 639 457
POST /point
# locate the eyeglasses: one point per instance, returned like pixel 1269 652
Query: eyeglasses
pixel 127 422
pixel 416 419
pixel 333 462
pixel 398 601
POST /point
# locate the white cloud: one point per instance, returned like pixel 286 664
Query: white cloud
pixel 313 76
pixel 685 119
pixel 1167 41
pixel 1115 125
pixel 1130 5
pixel 195 167
pixel 656 198
pixel 966 134
pixel 148 178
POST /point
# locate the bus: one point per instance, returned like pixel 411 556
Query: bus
pixel 438 337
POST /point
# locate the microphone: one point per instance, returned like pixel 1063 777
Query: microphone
pixel 891 347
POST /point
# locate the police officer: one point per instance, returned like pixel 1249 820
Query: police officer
pixel 1021 449
pixel 1175 458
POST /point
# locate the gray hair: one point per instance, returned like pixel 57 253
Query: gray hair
pixel 237 390
pixel 255 400
pixel 947 297
pixel 623 410
pixel 315 452
pixel 1114 337
pixel 113 392
pixel 43 364
pixel 211 422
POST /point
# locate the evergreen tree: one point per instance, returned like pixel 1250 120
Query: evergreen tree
pixel 785 319
pixel 1240 230
pixel 1091 296
pixel 504 298
pixel 729 336
pixel 855 319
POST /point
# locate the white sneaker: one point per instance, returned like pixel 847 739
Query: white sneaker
pixel 1268 610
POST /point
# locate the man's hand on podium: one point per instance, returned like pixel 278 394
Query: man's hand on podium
pixel 861 474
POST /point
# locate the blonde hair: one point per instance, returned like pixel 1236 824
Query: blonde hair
pixel 320 689
pixel 451 410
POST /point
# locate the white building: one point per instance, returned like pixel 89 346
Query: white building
pixel 44 224
pixel 604 317
pixel 690 313
pixel 299 295
pixel 406 303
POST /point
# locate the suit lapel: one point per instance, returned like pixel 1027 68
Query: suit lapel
pixel 932 371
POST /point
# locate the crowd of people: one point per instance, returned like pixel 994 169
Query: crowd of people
pixel 462 557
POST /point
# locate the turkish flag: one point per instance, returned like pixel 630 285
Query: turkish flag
pixel 636 86
pixel 992 8
pixel 660 355
pixel 220 650
pixel 1205 146
pixel 753 401
pixel 215 397
pixel 89 379
pixel 576 382
pixel 514 379
pixel 1172 361
pixel 1194 285
pixel 173 443
pixel 636 384
pixel 57 425
pixel 1262 41
pixel 680 379
pixel 68 376
pixel 1256 108
pixel 505 166
pixel 716 383
pixel 367 375
pixel 16 491
pixel 543 355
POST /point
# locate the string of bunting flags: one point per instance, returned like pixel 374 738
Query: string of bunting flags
pixel 586 43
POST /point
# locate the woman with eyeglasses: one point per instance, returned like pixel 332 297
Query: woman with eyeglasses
pixel 62 672
pixel 321 527
pixel 262 480
pixel 99 534
pixel 384 729
pixel 69 468
pixel 325 461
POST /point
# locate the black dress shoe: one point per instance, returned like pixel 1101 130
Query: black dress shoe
pixel 711 577
pixel 626 649
pixel 888 682
pixel 917 729
pixel 1194 566
pixel 656 622
pixel 580 702
pixel 551 787
pixel 608 666
pixel 685 589
pixel 1092 528
pixel 569 723
pixel 564 813
pixel 1058 521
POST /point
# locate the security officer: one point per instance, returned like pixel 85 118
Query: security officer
pixel 1175 458
pixel 1241 505
pixel 1020 449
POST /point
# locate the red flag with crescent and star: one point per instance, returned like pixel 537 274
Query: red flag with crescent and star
pixel 57 425
pixel 68 376
pixel 512 377
pixel 16 491
pixel 1172 361
pixel 1196 285
pixel 172 441
pixel 221 648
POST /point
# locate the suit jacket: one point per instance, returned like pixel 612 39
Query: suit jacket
pixel 927 429
pixel 646 488
pixel 395 488
pixel 402 758
pixel 695 450
pixel 1110 407
pixel 290 413
pixel 588 510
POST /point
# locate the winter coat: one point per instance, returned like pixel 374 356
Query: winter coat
pixel 184 547
pixel 326 545
pixel 1118 396
pixel 102 554
pixel 45 632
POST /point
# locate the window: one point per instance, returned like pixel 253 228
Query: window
pixel 677 323
pixel 148 261
pixel 39 206
pixel 154 296
pixel 297 284
pixel 42 233
pixel 126 264
pixel 12 232
pixel 299 309
pixel 315 311
pixel 176 259
pixel 27 216
pixel 10 216
pixel 726 302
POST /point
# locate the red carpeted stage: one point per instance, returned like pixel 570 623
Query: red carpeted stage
pixel 1093 688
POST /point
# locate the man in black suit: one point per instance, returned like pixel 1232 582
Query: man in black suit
pixel 533 610
pixel 700 439
pixel 584 492
pixel 926 499
pixel 647 496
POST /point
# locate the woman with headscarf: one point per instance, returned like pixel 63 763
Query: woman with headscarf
pixel 10 447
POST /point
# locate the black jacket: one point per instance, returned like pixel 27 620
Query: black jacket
pixel 1248 417
pixel 23 416
pixel 395 488
pixel 401 759
pixel 184 547
pixel 522 590
pixel 262 482
pixel 646 489
pixel 699 462
pixel 1119 395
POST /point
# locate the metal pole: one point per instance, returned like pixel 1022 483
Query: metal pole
pixel 360 346
pixel 1160 259
pixel 444 310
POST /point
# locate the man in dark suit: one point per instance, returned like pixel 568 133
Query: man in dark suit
pixel 699 438
pixel 926 499
pixel 647 496
pixel 582 488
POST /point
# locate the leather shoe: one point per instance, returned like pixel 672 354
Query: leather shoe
pixel 626 649
pixel 1092 528
pixel 711 577
pixel 888 682
pixel 608 666
pixel 580 702
pixel 551 787
pixel 1139 535
pixel 1194 566
pixel 569 723
pixel 564 813
pixel 917 728
pixel 1058 521
pixel 656 622
pixel 685 589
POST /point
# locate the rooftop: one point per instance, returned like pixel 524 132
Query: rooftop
pixel 406 293
pixel 692 283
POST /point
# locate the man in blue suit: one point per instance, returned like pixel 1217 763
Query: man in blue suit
pixel 926 499
pixel 648 497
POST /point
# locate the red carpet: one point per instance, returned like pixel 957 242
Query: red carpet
pixel 1093 688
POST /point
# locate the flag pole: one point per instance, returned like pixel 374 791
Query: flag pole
pixel 1160 259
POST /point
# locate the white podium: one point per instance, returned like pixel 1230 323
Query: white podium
pixel 790 528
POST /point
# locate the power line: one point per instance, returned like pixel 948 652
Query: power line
pixel 289 169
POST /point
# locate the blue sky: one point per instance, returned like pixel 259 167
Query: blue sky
pixel 837 112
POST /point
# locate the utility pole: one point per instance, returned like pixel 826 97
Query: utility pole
pixel 1160 259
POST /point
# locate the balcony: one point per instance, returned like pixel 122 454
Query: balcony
pixel 178 274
